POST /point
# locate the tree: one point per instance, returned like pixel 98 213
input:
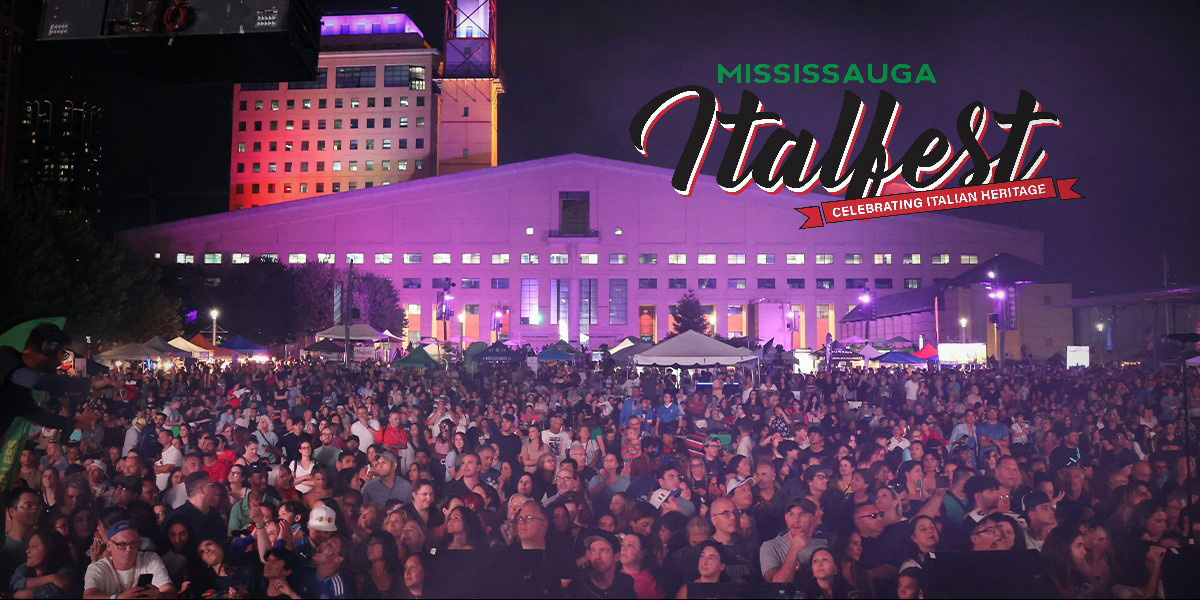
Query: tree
pixel 689 314
pixel 313 292
pixel 379 303
pixel 56 263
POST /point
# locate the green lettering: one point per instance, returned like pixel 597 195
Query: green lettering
pixel 723 73
pixel 925 74
pixel 853 75
pixel 871 73
pixel 782 75
pixel 831 75
pixel 905 74
pixel 762 73
pixel 810 73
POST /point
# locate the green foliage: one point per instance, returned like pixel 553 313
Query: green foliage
pixel 379 303
pixel 55 262
pixel 689 314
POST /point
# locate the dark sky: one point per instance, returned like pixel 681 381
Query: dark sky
pixel 1119 76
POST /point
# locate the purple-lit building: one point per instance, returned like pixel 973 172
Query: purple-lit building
pixel 590 249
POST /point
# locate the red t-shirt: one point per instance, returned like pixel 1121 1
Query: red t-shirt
pixel 391 436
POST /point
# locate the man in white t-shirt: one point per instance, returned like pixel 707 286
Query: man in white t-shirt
pixel 118 575
pixel 364 428
pixel 171 457
pixel 910 389
pixel 557 441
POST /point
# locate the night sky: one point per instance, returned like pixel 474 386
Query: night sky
pixel 1120 77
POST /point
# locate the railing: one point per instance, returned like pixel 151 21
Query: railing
pixel 574 233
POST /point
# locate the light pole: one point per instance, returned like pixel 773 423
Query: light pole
pixel 497 324
pixel 214 313
pixel 867 299
pixel 1100 347
pixel 1001 322
pixel 962 324
pixel 462 331
pixel 791 317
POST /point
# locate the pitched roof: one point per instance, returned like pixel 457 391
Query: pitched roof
pixel 903 303
pixel 1010 269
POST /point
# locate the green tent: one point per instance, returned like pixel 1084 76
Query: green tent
pixel 15 334
pixel 417 359
pixel 475 348
pixel 566 346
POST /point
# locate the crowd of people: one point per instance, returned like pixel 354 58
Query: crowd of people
pixel 304 479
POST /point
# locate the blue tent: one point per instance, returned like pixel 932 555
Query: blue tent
pixel 552 354
pixel 238 343
pixel 900 358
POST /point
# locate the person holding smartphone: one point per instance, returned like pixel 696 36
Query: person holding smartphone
pixel 127 572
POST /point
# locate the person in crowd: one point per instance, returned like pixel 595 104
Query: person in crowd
pixel 127 571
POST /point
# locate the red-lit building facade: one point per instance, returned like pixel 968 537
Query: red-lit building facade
pixel 368 119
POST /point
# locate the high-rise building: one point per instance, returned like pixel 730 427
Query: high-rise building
pixel 470 89
pixel 10 50
pixel 58 146
pixel 368 119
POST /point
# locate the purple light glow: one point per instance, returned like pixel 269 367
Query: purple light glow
pixel 368 24
pixel 865 299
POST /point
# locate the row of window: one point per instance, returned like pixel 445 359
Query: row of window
pixel 307 103
pixel 336 145
pixel 336 166
pixel 394 76
pixel 304 188
pixel 353 123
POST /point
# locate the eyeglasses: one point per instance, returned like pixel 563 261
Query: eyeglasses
pixel 124 546
pixel 527 518
pixel 727 513
pixel 987 531
pixel 874 515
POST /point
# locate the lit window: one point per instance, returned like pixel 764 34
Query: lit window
pixel 500 259
pixel 883 259
pixel 589 259
pixel 469 283
pixel 297 259
pixel 441 258
pixel 824 284
pixel 383 259
pixel 854 259
pixel 766 259
pixel 737 283
pixel 412 258
pixel 795 259
pixel 970 259
pixel 707 259
pixel 618 231
pixel 559 259
pixel 337 165
pixel 941 259
pixel 241 146
pixel 184 259
pixel 824 259
pixel 269 257
pixel 212 258
pixel 354 258
pixel 677 259
pixel 240 258
pixel 618 258
pixel 529 259
pixel 326 257
pixel 912 259
pixel 469 258
pixel 736 259
pixel 414 309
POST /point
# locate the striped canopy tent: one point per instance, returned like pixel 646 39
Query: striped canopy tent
pixel 218 353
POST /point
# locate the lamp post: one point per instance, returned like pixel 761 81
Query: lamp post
pixel 462 331
pixel 1100 347
pixel 962 324
pixel 214 313
pixel 791 321
pixel 867 298
pixel 1001 323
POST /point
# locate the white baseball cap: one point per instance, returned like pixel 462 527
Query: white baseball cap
pixel 322 518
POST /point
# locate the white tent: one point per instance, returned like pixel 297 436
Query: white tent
pixel 199 352
pixel 692 349
pixel 134 352
pixel 434 350
pixel 623 344
pixel 870 352
pixel 391 335
pixel 360 332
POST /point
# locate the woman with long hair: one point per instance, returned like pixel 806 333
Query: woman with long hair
pixel 248 454
pixel 638 562
pixel 47 571
pixel 825 580
pixel 1064 553
pixel 543 480
pixel 320 489
pixel 50 484
pixel 925 537
pixel 609 480
pixel 1148 521
pixel 710 563
pixel 849 551
pixel 415 568
pixel 464 530
pixel 237 483
pixel 845 473
pixel 220 574
pixel 302 467
pixel 384 577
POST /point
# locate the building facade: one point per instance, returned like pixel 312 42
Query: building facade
pixel 10 53
pixel 368 119
pixel 592 250
pixel 58 145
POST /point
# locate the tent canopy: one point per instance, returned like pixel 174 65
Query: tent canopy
pixel 625 355
pixel 693 349
pixel 927 352
pixel 134 352
pixel 360 332
pixel 197 351
pixel 625 342
pixel 474 348
pixel 566 346
pixel 1194 361
pixel 165 347
pixel 870 352
pixel 837 351
pixel 325 346
pixel 554 353
pixel 899 342
pixel 243 345
pixel 417 359
pixel 854 340
pixel 498 353
pixel 900 358
pixel 203 342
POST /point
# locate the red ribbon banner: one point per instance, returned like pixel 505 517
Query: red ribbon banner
pixel 861 209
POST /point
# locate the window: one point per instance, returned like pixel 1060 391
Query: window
pixel 618 258
pixel 912 283
pixel 766 259
pixel 854 259
pixel 558 258
pixel 618 231
pixel 319 83
pixel 353 145
pixel 500 259
pixel 969 259
pixel 883 283
pixel 707 283
pixel 241 146
pixel 470 258
pixel 212 258
pixel 574 210
pixel 306 103
pixel 240 188
pixel 823 311
pixel 589 259
pixel 794 283
pixel 327 258
pixel 677 259
pixel 420 164
pixel 259 87
pixel 737 283
pixel 412 283
pixel 416 81
pixel 354 103
pixel 402 165
pixel 941 259
pixel 883 259
pixel 766 284
pixel 469 283
pixel 242 105
pixel 441 258
pixel 735 259
pixel 529 259
pixel 856 283
pixel 529 302
pixel 256 168
pixel 384 258
pixel 647 259
pixel 618 301
pixel 387 100
pixel 353 123
pixel 911 259
pixel 421 99
pixel 824 284
pixel 241 167
pixel 240 258
pixel 258 125
pixel 648 283
pixel 420 143
pixel 403 122
pixel 241 125
pixel 274 105
pixel 321 124
pixel 824 259
pixel 795 259
pixel 355 77
pixel 396 76
pixel 499 283
pixel 589 297
pixel 675 283
pixel 706 259
pixel 354 258
pixel 289 125
pixel 337 165
pixel 297 258
pixel 269 257
pixel 272 168
pixel 337 187
pixel 386 144
pixel 441 283
pixel 412 258
pixel 337 124
pixel 184 259
pixel 320 165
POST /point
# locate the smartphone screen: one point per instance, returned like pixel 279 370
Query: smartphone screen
pixel 145 579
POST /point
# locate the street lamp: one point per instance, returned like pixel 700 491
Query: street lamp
pixel 962 323
pixel 1100 327
pixel 462 331
pixel 214 313
pixel 869 312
